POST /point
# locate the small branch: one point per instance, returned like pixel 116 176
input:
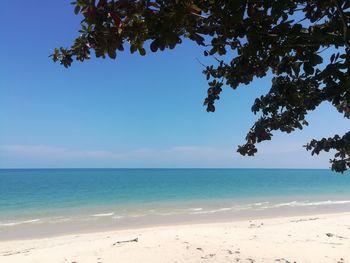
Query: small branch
pixel 126 241
pixel 218 60
pixel 199 15
pixel 319 52
pixel 200 62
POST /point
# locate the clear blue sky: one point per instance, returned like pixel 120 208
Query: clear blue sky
pixel 132 112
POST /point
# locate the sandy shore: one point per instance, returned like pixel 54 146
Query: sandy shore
pixel 318 238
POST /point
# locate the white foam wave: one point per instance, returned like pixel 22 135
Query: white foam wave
pixel 196 209
pixel 268 205
pixel 243 207
pixel 307 203
pixel 102 215
pixel 60 220
pixel 136 215
pixel 166 214
pixel 20 222
pixel 212 211
pixel 261 203
pixel 293 203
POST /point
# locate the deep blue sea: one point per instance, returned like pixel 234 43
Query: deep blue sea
pixel 60 195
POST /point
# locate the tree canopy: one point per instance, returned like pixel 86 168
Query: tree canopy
pixel 284 38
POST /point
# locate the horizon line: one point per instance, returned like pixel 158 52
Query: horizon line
pixel 164 168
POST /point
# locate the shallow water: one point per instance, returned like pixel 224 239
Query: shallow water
pixel 78 199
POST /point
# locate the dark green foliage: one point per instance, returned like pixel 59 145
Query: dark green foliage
pixel 286 38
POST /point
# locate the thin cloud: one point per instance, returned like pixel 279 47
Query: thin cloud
pixel 53 152
pixel 177 156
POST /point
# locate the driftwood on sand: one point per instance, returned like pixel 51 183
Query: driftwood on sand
pixel 126 241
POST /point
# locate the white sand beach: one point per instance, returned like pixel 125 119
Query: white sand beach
pixel 316 238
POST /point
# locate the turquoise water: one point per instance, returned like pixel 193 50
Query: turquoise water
pixel 33 194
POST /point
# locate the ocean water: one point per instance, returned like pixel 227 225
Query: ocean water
pixel 34 197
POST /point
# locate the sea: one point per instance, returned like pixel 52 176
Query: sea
pixel 43 202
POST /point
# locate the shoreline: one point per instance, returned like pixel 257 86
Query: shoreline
pixel 307 238
pixel 34 229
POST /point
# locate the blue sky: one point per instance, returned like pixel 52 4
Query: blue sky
pixel 132 112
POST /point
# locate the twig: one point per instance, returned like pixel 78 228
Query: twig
pixel 199 15
pixel 319 52
pixel 200 62
pixel 126 241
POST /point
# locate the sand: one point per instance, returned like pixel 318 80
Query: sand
pixel 317 238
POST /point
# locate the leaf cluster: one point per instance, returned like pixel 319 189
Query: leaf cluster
pixel 285 38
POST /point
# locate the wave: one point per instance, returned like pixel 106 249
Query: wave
pixel 260 204
pixel 212 211
pixel 166 213
pixel 136 215
pixel 102 215
pixel 268 205
pixel 59 220
pixel 195 209
pixel 234 208
pixel 20 222
pixel 307 203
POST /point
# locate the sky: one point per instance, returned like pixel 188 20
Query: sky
pixel 132 112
